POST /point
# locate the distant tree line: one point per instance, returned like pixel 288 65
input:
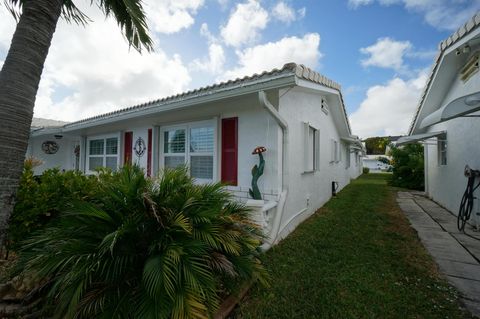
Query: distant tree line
pixel 377 145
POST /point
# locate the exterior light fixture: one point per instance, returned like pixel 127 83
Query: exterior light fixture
pixel 58 136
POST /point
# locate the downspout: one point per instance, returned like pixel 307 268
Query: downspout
pixel 283 196
pixel 425 169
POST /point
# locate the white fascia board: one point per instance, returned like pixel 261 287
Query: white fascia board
pixel 315 86
pixel 46 131
pixel 202 98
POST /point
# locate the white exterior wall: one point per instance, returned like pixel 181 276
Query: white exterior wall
pixel 63 159
pixel 446 183
pixel 255 128
pixel 356 164
pixel 309 191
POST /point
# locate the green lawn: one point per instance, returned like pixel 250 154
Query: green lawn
pixel 356 257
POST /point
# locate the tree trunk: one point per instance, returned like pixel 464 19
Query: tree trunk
pixel 19 80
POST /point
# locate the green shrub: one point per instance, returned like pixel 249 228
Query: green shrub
pixel 408 167
pixel 366 170
pixel 144 248
pixel 39 199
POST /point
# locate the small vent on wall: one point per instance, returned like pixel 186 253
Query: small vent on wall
pixel 470 68
pixel 324 106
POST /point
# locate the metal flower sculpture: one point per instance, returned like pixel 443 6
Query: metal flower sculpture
pixel 257 171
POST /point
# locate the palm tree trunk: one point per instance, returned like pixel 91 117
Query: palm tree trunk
pixel 19 80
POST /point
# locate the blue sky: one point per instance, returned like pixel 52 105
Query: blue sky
pixel 380 51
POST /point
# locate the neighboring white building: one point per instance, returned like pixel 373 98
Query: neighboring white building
pixel 447 119
pixel 296 113
pixel 371 162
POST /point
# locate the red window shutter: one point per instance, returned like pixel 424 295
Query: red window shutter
pixel 127 152
pixel 230 151
pixel 149 153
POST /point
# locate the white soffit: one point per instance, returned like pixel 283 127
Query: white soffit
pixel 418 137
pixel 458 107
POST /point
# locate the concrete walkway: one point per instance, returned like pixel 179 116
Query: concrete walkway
pixel 457 254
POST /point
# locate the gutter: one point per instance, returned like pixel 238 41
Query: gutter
pixel 262 97
pixel 178 102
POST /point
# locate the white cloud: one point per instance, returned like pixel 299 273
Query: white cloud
pixel 388 109
pixel 271 55
pixel 7 27
pixel 171 16
pixel 302 12
pixel 244 24
pixel 215 61
pixel 441 14
pixel 87 73
pixel 386 53
pixel 286 14
pixel 205 32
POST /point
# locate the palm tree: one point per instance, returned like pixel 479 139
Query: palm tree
pixel 142 248
pixel 22 69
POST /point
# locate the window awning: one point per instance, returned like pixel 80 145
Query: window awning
pixel 418 137
pixel 458 107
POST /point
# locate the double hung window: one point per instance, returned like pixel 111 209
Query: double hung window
pixel 442 150
pixel 192 145
pixel 312 148
pixel 102 152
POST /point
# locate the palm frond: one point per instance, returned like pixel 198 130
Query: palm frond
pixel 167 246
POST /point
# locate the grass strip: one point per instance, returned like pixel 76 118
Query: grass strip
pixel 356 257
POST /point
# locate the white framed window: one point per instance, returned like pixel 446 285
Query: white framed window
pixel 347 156
pixel 335 152
pixel 442 150
pixel 193 145
pixel 102 151
pixel 311 148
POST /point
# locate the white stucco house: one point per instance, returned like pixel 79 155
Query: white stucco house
pixel 296 113
pixel 447 120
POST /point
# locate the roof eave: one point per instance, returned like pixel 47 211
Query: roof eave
pixel 202 98
pixel 464 34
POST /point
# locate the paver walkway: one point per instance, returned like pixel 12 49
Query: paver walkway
pixel 457 254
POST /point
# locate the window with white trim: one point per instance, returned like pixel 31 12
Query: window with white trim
pixel 348 156
pixel 102 152
pixel 334 152
pixel 311 148
pixel 192 145
pixel 442 150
